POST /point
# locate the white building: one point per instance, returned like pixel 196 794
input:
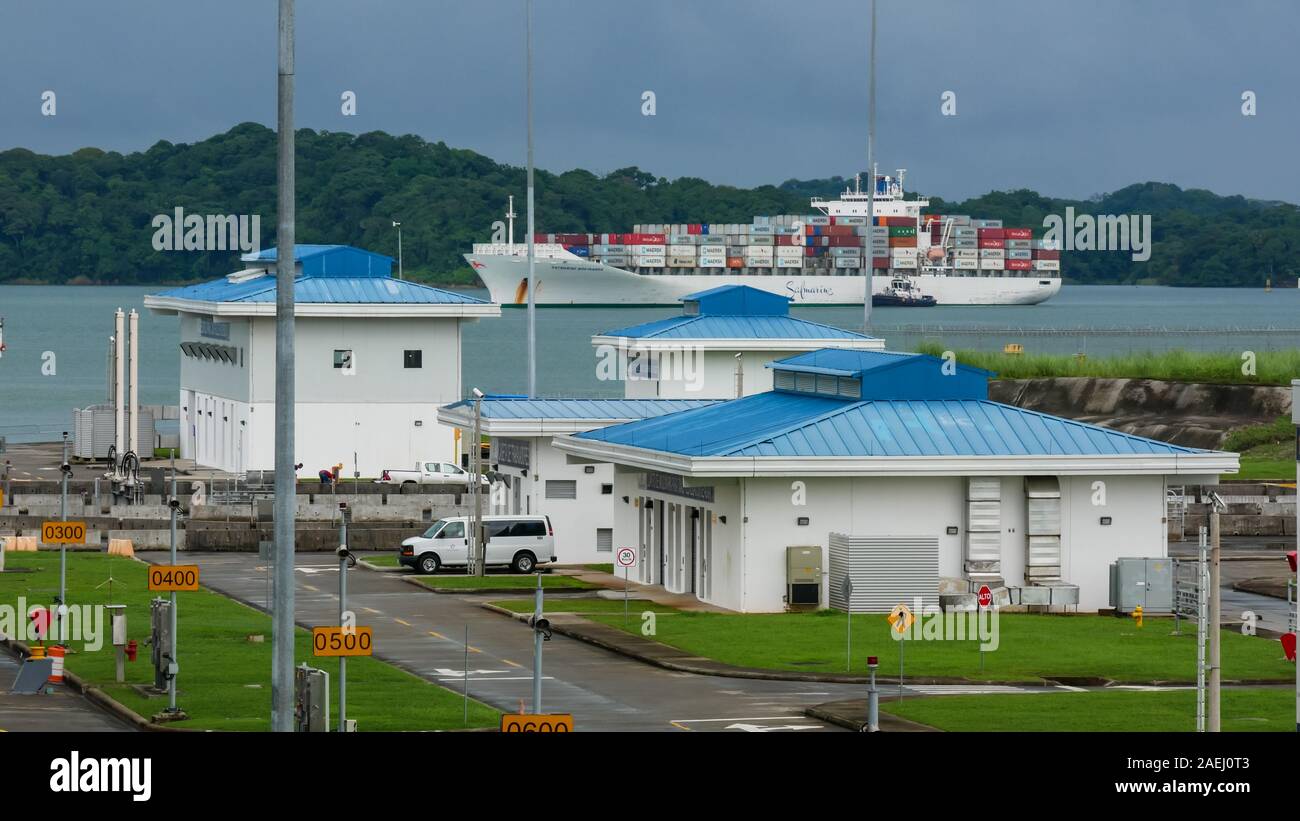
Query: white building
pixel 532 477
pixel 374 357
pixel 893 469
pixel 697 355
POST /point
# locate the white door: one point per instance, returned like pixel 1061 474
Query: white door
pixel 451 545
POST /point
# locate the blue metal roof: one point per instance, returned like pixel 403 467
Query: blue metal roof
pixel 893 375
pixel 501 407
pixel 330 260
pixel 806 425
pixel 739 300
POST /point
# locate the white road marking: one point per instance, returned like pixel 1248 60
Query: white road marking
pixel 759 728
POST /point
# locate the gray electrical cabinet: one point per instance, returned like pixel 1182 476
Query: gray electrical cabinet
pixel 803 576
pixel 311 705
pixel 160 640
pixel 1145 583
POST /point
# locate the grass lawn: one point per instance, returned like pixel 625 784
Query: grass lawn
pixel 550 581
pixel 601 568
pixel 225 680
pixel 1268 463
pixel 382 559
pixel 1272 367
pixel 1030 647
pixel 585 605
pixel 1244 710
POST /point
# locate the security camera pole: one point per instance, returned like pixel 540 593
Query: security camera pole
pixel 174 504
pixel 479 561
pixel 532 280
pixel 345 514
pixel 65 469
pixel 539 628
pixel 871 172
pixel 286 478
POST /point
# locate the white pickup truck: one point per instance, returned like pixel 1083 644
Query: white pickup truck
pixel 429 473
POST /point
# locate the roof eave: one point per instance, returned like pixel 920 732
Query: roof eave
pixel 171 305
pixel 532 426
pixel 624 343
pixel 1205 463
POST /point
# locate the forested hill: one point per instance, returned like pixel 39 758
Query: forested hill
pixel 87 216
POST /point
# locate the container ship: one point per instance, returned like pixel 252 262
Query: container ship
pixel 821 258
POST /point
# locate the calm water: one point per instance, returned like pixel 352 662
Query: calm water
pixel 75 323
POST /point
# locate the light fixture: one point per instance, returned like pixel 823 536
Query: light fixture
pixel 802 521
pixel 1105 520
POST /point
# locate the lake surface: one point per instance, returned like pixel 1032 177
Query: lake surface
pixel 75 323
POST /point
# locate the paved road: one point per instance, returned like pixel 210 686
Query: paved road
pixel 424 632
pixel 62 711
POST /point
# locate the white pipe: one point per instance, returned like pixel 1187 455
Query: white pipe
pixel 133 426
pixel 119 382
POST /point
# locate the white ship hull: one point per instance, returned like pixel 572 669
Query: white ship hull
pixel 581 282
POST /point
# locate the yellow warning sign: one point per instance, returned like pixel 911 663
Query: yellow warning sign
pixel 901 618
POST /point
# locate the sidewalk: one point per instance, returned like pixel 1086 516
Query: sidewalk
pixel 852 714
pixel 686 602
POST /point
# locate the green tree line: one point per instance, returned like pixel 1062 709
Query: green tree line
pixel 86 217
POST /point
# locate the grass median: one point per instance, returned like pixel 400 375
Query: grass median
pixel 225 679
pixel 1030 647
pixel 1244 710
pixel 452 581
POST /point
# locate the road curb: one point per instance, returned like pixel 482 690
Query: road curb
pixel 729 671
pixel 99 698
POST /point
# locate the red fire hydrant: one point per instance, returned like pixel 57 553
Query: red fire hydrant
pixel 131 649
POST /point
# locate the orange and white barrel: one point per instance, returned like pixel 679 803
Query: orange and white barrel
pixel 56 654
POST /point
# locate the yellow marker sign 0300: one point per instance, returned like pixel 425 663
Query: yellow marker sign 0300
pixel 63 532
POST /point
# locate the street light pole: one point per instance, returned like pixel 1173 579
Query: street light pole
pixel 61 610
pixel 532 280
pixel 480 549
pixel 871 178
pixel 398 226
pixel 286 479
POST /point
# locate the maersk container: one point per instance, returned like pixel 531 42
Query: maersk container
pixel 617 260
pixel 713 250
pixel 767 240
pixel 1019 253
pixel 1016 243
pixel 846 252
pixel 713 260
pixel 966 242
pixel 966 253
pixel 650 262
pixel 993 253
pixel 966 264
pixel 986 223
pixel 992 264
pixel 679 250
pixel 848 262
pixel 899 262
pixel 789 262
pixel 819 220
pixel 681 239
pixel 761 230
pixel 860 221
pixel 965 232
pixel 1047 265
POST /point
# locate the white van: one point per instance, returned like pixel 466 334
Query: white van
pixel 518 542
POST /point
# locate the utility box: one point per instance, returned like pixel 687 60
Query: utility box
pixel 803 576
pixel 160 640
pixel 1146 583
pixel 311 705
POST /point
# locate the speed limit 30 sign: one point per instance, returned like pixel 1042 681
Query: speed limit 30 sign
pixel 626 557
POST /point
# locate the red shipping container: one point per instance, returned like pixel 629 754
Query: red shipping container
pixel 902 242
pixel 789 239
pixel 930 218
pixel 880 262
pixel 697 228
pixel 993 233
pixel 809 251
pixel 735 262
pixel 644 239
pixel 839 230
pixel 1018 233
pixel 992 243
pixel 1043 253
pixel 847 241
pixel 1019 265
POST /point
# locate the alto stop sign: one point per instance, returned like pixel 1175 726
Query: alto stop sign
pixel 985 596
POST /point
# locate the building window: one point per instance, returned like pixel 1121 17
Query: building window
pixel 606 490
pixel 604 540
pixel 343 359
pixel 413 359
pixel 561 489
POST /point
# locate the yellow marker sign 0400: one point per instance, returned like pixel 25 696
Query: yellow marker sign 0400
pixel 174 577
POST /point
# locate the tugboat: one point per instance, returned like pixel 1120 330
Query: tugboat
pixel 901 293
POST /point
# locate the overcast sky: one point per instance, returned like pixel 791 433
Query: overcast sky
pixel 1067 97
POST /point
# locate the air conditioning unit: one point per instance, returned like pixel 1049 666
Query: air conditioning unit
pixel 803 576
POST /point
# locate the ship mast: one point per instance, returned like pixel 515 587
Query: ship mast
pixel 510 223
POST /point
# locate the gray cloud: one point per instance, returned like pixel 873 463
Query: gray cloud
pixel 1068 98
